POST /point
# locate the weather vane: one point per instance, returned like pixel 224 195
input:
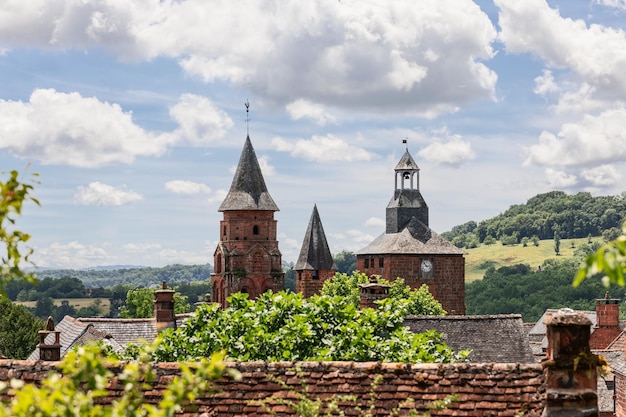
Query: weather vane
pixel 247 103
pixel 405 141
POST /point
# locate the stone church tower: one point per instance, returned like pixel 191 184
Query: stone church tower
pixel 247 258
pixel 409 249
pixel 315 263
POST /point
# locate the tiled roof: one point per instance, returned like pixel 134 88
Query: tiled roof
pixel 406 162
pixel 315 253
pixel 248 190
pixel 405 243
pixel 494 338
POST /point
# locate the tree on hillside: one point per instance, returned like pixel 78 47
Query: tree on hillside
pixel 557 239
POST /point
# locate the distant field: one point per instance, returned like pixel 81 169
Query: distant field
pixel 77 303
pixel 478 260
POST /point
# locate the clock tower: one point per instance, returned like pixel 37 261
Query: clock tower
pixel 410 249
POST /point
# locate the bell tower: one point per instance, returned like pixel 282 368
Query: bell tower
pixel 247 258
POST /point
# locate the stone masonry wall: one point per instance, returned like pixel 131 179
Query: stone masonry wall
pixel 482 389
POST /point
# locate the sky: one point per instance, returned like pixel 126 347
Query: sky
pixel 132 114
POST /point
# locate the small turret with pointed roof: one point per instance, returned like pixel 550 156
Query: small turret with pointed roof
pixel 315 263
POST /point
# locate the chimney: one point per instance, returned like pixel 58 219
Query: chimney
pixel 607 312
pixel 569 367
pixel 164 308
pixel 49 352
pixel 372 292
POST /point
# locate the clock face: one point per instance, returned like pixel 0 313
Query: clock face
pixel 427 265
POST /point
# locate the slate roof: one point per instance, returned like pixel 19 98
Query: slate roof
pixel 248 190
pixel 493 338
pixel 115 332
pixel 315 253
pixel 406 162
pixel 408 242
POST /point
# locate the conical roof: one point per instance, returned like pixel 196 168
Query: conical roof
pixel 248 190
pixel 315 253
pixel 406 162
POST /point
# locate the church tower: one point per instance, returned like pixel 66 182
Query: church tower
pixel 410 249
pixel 315 263
pixel 247 258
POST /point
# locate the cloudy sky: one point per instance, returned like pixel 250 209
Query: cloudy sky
pixel 132 113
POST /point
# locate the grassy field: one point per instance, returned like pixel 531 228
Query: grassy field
pixel 478 260
pixel 77 303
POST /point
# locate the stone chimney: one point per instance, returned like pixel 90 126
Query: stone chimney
pixel 49 352
pixel 607 311
pixel 607 323
pixel 372 292
pixel 570 367
pixel 164 308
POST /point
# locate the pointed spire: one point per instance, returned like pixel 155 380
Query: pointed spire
pixel 315 253
pixel 406 162
pixel 248 190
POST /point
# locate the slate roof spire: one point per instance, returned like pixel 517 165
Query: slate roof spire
pixel 315 253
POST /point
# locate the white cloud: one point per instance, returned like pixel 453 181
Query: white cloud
pixel 544 84
pixel 453 151
pixel 403 55
pixel 594 140
pixel 200 121
pixel 375 222
pixel 559 179
pixel 595 54
pixel 322 149
pixel 267 169
pixel 217 197
pixel 602 176
pixel 618 4
pixel 98 194
pixel 72 255
pixel 360 237
pixel 186 187
pixel 303 108
pixel 66 128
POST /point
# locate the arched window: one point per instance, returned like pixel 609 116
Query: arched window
pixel 255 230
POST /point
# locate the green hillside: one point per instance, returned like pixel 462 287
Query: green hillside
pixel 478 260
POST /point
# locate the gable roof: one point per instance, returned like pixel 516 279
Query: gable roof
pixel 493 338
pixel 406 162
pixel 248 190
pixel 315 253
pixel 416 238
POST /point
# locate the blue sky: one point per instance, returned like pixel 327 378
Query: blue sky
pixel 132 113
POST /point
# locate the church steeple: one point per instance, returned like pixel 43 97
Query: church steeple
pixel 407 202
pixel 248 190
pixel 315 263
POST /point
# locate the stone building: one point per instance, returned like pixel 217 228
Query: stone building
pixel 247 258
pixel 410 249
pixel 315 263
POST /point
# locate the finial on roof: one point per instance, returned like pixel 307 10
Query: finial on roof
pixel 405 141
pixel 247 104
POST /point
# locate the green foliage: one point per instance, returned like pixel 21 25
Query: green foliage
pixel 82 381
pixel 557 239
pixel 529 292
pixel 13 194
pixel 18 330
pixel 284 326
pixel 135 277
pixel 140 304
pixel 578 216
pixel 345 261
pixel 509 239
pixel 607 262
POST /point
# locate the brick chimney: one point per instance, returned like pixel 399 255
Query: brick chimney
pixel 52 351
pixel 164 308
pixel 607 323
pixel 570 367
pixel 372 292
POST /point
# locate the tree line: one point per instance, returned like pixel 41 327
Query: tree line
pixel 574 216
